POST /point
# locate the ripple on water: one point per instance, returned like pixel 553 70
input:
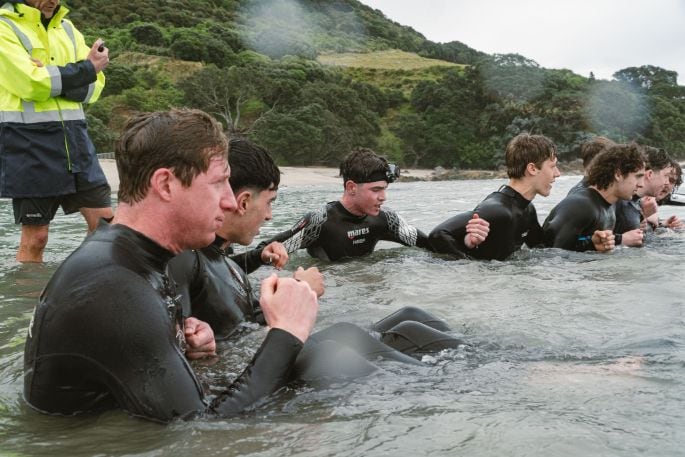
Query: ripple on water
pixel 567 353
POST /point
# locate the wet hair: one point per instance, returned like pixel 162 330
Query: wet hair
pixel 252 166
pixel 183 140
pixel 677 179
pixel 363 165
pixel 591 148
pixel 656 159
pixel 525 148
pixel 620 158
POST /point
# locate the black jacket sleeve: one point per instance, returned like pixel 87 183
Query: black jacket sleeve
pixel 75 79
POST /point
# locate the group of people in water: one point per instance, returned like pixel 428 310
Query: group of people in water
pixel 159 284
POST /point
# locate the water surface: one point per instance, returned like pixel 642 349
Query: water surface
pixel 568 353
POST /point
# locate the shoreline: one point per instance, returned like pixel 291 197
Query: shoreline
pixel 312 176
pixel 290 176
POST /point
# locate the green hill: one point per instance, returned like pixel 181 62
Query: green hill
pixel 311 79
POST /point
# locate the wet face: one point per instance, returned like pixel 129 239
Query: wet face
pixel 630 184
pixel 46 7
pixel 367 198
pixel 545 177
pixel 670 187
pixel 201 206
pixel 254 209
pixel 657 182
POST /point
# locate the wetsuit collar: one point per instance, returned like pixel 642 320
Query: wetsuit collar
pixel 219 243
pixel 596 194
pixel 347 212
pixel 510 192
pixel 147 248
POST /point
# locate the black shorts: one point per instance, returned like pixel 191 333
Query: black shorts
pixel 40 211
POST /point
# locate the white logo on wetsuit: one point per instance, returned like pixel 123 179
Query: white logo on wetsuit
pixel 352 234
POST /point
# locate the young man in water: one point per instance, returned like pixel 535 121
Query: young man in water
pixel 108 330
pixel 532 168
pixel 213 287
pixel 217 290
pixel 584 220
pixel 675 180
pixel 589 151
pixel 353 225
pixel 631 215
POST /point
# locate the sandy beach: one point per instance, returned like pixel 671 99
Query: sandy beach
pixel 290 176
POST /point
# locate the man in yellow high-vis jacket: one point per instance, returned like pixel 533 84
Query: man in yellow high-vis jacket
pixel 47 159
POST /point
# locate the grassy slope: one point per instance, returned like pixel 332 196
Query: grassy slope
pixel 392 69
pixel 384 60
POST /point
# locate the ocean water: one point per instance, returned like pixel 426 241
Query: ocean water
pixel 567 354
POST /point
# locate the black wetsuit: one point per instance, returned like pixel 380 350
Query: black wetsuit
pixel 582 184
pixel 572 222
pixel 214 289
pixel 332 233
pixel 513 221
pixel 106 333
pixel 628 215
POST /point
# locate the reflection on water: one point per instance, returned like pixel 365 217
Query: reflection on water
pixel 569 353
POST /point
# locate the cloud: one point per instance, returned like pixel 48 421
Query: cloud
pixel 602 36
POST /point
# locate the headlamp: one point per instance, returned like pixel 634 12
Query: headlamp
pixel 392 173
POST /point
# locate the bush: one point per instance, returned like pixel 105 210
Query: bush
pixel 149 34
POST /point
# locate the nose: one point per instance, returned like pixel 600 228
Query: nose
pixel 381 195
pixel 269 214
pixel 227 201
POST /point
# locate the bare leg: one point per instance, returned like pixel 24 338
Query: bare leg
pixel 34 238
pixel 93 215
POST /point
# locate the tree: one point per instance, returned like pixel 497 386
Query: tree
pixel 647 76
pixel 225 93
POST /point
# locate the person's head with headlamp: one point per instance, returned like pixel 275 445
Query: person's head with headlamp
pixel 366 176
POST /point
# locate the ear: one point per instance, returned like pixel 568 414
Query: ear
pixel 532 169
pixel 243 199
pixel 163 182
pixel 350 187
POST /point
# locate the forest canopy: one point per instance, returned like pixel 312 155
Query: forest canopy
pixel 255 66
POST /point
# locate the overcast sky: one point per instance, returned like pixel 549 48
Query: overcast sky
pixel 601 36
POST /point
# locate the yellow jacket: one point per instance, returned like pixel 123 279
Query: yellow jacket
pixel 44 136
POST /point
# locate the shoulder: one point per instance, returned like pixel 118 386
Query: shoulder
pixel 495 208
pixel 314 217
pixel 391 216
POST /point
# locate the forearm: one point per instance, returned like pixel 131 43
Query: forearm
pixel 269 371
pixel 446 242
pixel 251 260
